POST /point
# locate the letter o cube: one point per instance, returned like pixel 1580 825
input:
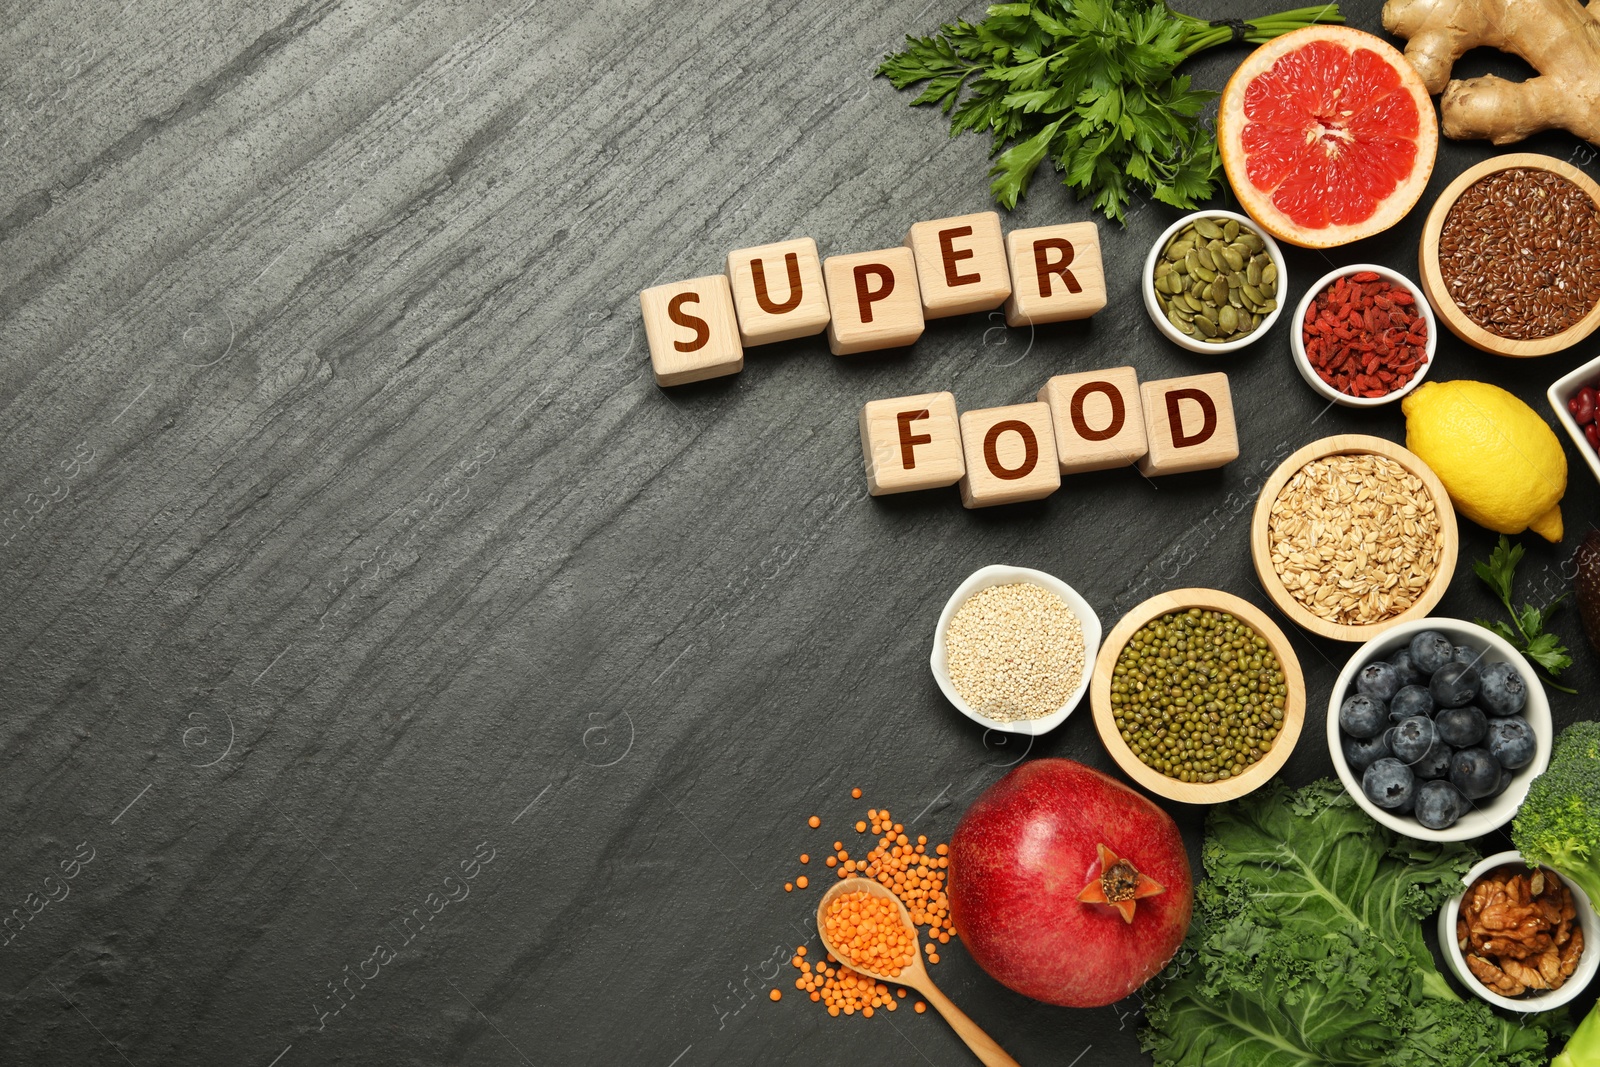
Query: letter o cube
pixel 1010 454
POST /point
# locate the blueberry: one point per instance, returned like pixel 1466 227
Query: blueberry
pixel 1462 727
pixel 1379 680
pixel 1409 675
pixel 1362 716
pixel 1362 752
pixel 1435 763
pixel 1454 684
pixel 1413 738
pixel 1467 657
pixel 1439 805
pixel 1389 784
pixel 1504 691
pixel 1475 772
pixel 1511 742
pixel 1431 650
pixel 1504 784
pixel 1411 700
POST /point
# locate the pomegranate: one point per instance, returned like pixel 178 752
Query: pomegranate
pixel 1067 886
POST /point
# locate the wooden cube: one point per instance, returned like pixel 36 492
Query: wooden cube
pixel 911 442
pixel 692 330
pixel 1099 421
pixel 1188 424
pixel 1055 274
pixel 1010 453
pixel 873 300
pixel 961 264
pixel 778 291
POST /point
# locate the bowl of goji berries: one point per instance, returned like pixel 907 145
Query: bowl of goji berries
pixel 1364 336
pixel 1576 400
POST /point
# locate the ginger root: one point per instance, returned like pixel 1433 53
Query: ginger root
pixel 1559 38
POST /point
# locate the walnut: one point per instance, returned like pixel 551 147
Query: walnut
pixel 1518 932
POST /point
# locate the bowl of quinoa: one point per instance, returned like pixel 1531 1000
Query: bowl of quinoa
pixel 1014 649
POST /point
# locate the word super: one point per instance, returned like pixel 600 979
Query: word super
pixel 866 301
pixel 1091 421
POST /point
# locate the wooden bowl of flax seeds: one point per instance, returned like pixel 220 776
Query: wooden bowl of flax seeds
pixel 1352 535
pixel 1510 255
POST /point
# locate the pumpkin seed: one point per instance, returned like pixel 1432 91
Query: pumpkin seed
pixel 1210 282
pixel 1269 274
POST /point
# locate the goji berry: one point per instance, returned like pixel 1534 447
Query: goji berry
pixel 1363 336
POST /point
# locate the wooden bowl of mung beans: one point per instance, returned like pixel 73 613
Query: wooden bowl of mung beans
pixel 1198 696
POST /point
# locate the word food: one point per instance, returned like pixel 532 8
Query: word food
pixel 866 301
pixel 1090 421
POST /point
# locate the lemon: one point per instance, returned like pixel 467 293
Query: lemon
pixel 1499 461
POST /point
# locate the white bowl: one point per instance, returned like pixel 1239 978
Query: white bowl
pixel 1563 390
pixel 1486 815
pixel 1545 1000
pixel 983 578
pixel 1302 362
pixel 1148 284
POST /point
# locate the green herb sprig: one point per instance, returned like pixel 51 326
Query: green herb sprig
pixel 1529 636
pixel 1089 85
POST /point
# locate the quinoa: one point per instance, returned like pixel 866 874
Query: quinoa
pixel 1015 652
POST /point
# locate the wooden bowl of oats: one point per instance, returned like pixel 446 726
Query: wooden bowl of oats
pixel 1353 534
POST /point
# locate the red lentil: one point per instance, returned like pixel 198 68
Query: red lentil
pixel 1364 336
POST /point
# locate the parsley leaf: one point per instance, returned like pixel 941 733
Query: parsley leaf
pixel 1088 85
pixel 1529 636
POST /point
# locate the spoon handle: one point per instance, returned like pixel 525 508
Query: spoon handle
pixel 979 1042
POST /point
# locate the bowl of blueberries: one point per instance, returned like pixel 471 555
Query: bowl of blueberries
pixel 1437 727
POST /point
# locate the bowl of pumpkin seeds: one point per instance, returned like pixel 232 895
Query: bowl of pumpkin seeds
pixel 1212 281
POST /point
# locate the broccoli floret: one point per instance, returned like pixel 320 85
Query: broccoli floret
pixel 1559 824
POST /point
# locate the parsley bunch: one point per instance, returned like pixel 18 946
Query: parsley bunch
pixel 1088 84
pixel 1530 637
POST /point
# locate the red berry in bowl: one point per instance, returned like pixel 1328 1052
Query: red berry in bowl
pixel 1591 434
pixel 1582 405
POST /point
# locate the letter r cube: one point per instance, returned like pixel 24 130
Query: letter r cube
pixel 1056 274
pixel 911 442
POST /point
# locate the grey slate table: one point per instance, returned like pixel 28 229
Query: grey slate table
pixel 361 588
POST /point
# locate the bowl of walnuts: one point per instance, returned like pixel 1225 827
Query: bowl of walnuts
pixel 1520 937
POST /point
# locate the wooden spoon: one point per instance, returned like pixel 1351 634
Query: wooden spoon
pixel 916 975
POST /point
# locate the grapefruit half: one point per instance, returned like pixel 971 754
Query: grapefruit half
pixel 1327 136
